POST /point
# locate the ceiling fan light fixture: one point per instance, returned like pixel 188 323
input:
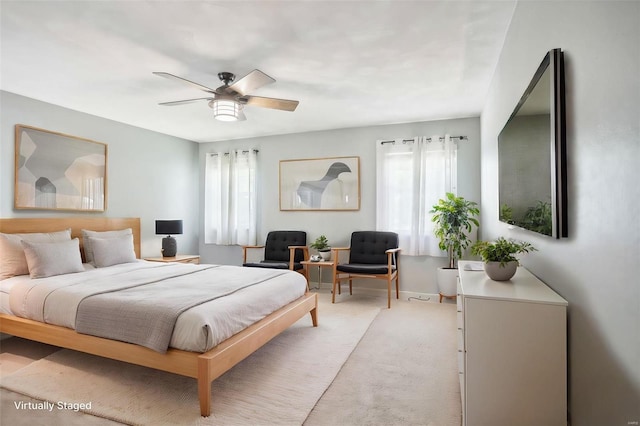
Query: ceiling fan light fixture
pixel 228 100
pixel 225 109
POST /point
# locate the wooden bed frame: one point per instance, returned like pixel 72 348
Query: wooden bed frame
pixel 205 367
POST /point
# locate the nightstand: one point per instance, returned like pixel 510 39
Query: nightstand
pixel 181 258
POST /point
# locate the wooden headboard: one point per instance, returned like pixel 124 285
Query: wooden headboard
pixel 76 223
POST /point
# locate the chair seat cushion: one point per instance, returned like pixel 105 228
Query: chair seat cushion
pixel 363 268
pixel 274 264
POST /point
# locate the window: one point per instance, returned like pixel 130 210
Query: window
pixel 231 198
pixel 411 176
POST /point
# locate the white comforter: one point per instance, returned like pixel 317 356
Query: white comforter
pixel 54 300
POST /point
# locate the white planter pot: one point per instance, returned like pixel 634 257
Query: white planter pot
pixel 500 273
pixel 447 280
pixel 325 255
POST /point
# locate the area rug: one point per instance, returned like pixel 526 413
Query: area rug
pixel 277 385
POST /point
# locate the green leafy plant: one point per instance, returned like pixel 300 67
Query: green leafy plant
pixel 501 250
pixel 453 218
pixel 321 243
pixel 538 218
pixel 506 214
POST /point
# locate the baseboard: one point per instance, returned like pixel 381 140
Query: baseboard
pixel 379 292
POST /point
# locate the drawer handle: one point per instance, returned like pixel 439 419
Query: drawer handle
pixel 459 328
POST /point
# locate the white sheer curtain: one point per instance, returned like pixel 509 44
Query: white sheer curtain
pixel 411 176
pixel 231 198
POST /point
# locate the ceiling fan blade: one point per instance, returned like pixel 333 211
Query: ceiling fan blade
pixel 186 101
pixel 184 80
pixel 273 103
pixel 250 82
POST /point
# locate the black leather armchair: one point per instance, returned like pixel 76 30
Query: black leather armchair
pixel 372 254
pixel 282 250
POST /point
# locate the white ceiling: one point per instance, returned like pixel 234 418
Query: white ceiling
pixel 349 63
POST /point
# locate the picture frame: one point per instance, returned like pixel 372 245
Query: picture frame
pixel 320 184
pixel 55 171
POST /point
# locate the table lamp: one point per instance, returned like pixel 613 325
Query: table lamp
pixel 168 228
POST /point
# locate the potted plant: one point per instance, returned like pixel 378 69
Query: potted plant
pixel 322 245
pixel 454 218
pixel 500 262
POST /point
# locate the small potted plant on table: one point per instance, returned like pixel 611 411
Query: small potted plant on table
pixel 322 245
pixel 500 262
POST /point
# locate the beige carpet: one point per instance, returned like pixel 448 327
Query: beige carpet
pixel 403 372
pixel 279 384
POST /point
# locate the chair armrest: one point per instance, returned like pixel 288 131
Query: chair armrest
pixel 392 259
pixel 292 254
pixel 340 248
pixel 335 254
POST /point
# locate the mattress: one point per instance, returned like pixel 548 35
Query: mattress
pixel 7 284
pixel 198 329
pixel 4 303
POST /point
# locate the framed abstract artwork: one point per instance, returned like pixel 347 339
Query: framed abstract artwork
pixel 320 184
pixel 54 171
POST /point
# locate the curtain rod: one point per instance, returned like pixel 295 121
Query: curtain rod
pixel 462 138
pixel 226 153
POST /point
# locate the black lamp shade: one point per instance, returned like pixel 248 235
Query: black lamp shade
pixel 168 227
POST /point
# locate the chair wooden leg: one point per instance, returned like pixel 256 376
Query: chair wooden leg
pixel 397 287
pixel 333 290
pixel 350 287
pixel 388 294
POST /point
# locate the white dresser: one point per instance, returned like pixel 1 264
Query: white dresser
pixel 512 350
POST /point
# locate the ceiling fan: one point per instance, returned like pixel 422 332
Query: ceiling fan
pixel 228 100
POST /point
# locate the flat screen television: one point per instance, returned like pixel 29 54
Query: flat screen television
pixel 532 180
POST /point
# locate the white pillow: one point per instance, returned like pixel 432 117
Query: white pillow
pixel 12 259
pixel 86 242
pixel 112 251
pixel 53 258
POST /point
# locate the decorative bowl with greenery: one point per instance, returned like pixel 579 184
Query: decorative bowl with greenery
pixel 499 256
pixel 322 245
pixel 453 218
pixel 501 250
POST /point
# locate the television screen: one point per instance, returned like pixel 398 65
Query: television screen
pixel 532 155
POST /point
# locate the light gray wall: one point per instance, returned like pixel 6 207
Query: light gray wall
pixel 418 271
pixel 150 175
pixel 595 269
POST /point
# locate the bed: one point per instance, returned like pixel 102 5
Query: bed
pixel 204 366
